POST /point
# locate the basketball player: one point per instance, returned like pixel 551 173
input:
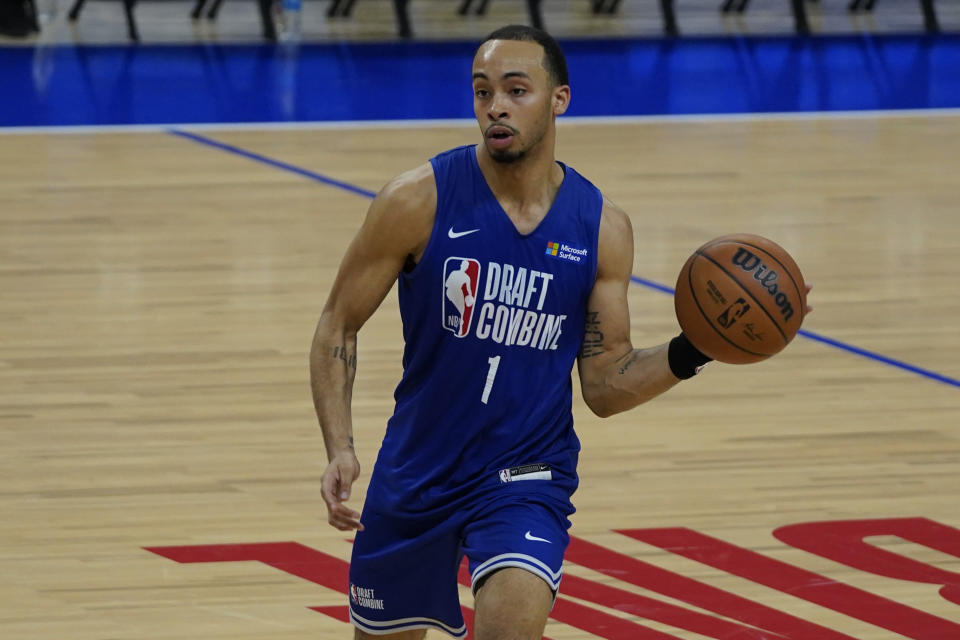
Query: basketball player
pixel 479 458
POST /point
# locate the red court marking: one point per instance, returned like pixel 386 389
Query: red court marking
pixel 843 542
pixel 338 612
pixel 289 557
pixel 801 583
pixel 775 624
pixel 653 609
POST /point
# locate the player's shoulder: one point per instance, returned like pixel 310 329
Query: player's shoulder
pixel 615 240
pixel 401 215
pixel 411 191
pixel 614 223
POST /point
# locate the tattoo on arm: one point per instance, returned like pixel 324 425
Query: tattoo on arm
pixel 631 357
pixel 592 336
pixel 349 358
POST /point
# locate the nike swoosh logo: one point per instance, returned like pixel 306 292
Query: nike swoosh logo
pixel 458 234
pixel 528 536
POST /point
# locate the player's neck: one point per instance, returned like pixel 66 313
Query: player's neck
pixel 527 182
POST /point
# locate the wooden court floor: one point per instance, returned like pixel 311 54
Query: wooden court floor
pixel 158 300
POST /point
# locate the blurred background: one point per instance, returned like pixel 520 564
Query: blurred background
pixel 72 62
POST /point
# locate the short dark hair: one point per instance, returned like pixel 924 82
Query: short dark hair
pixel 553 60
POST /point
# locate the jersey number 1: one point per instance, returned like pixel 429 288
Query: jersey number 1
pixel 491 374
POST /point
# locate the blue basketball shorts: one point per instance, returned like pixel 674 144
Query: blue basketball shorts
pixel 403 573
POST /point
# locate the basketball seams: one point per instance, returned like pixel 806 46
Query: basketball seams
pixel 773 258
pixel 773 321
pixel 708 318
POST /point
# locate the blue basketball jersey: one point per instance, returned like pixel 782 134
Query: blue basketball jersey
pixel 492 323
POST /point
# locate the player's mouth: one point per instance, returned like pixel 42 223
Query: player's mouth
pixel 500 136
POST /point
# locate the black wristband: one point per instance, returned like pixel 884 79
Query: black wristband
pixel 684 358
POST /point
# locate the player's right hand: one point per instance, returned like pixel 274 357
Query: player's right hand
pixel 337 479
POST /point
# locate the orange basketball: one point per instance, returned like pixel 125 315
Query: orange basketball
pixel 740 298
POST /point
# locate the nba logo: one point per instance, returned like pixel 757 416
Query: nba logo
pixel 460 279
pixel 353 592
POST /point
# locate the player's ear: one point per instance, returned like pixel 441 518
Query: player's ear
pixel 561 99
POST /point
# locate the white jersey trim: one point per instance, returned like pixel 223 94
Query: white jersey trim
pixel 521 561
pixel 554 575
pixel 402 624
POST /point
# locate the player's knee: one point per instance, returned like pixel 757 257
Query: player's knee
pixel 512 604
pixel 509 628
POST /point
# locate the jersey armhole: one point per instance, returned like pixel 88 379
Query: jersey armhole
pixel 596 235
pixel 412 273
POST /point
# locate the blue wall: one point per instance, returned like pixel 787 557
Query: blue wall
pixel 79 85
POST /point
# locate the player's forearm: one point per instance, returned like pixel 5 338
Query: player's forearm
pixel 333 365
pixel 634 378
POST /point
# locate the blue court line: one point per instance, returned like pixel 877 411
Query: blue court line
pixel 880 358
pixel 843 346
pixel 637 279
pixel 652 285
pixel 317 177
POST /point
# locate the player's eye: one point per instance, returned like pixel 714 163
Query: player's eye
pixel 518 91
pixel 481 93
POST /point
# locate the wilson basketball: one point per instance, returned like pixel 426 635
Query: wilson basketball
pixel 740 298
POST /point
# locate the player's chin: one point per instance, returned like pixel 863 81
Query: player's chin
pixel 504 156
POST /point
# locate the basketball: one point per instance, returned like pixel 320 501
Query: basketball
pixel 740 298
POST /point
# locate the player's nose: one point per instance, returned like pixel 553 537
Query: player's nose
pixel 498 107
